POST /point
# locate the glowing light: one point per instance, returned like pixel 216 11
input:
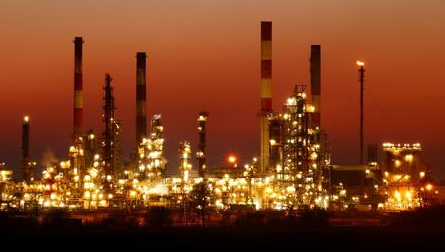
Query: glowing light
pixel 231 159
pixel 290 189
pixel 310 109
pixel 360 63
pixel 26 119
pixel 409 158
pixel 408 195
pixel 291 101
pixel 429 187
pixel 94 172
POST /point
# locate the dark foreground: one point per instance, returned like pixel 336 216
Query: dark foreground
pixel 258 231
pixel 220 238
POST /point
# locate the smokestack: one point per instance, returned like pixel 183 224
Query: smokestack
pixel 78 87
pixel 361 72
pixel 266 92
pixel 108 145
pixel 200 155
pixel 26 173
pixel 316 84
pixel 141 118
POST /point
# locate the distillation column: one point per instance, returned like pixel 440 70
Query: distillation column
pixel 200 155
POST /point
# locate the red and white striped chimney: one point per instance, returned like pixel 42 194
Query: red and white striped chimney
pixel 78 87
pixel 141 93
pixel 265 92
pixel 316 84
pixel 266 66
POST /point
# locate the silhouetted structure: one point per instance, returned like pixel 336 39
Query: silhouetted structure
pixel 108 119
pixel 201 155
pixel 27 165
pixel 315 71
pixel 141 118
pixel 78 88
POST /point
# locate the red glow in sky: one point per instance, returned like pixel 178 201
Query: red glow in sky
pixel 204 55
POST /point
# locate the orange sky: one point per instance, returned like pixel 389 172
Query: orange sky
pixel 205 55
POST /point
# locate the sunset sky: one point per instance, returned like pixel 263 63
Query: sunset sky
pixel 205 55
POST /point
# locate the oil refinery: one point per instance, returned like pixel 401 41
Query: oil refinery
pixel 293 170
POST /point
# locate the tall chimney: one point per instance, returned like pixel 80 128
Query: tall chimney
pixel 26 176
pixel 108 144
pixel 361 72
pixel 141 93
pixel 78 87
pixel 316 84
pixel 266 92
pixel 201 155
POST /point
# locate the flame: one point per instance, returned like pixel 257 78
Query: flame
pixel 360 63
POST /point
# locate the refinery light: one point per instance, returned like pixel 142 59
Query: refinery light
pixel 231 159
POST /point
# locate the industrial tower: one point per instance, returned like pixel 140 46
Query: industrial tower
pixel 27 165
pixel 265 93
pixel 141 93
pixel 201 155
pixel 109 132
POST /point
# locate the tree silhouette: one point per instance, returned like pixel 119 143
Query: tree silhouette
pixel 200 198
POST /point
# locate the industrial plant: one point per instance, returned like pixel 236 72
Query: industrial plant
pixel 292 171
